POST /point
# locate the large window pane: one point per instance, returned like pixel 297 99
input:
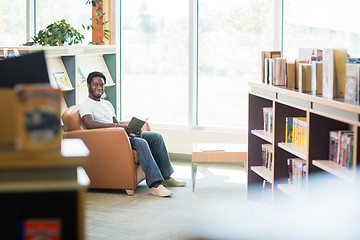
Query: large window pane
pixel 13 22
pixel 232 34
pixel 155 60
pixel 321 24
pixel 75 13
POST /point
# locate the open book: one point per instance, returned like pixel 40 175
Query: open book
pixel 135 125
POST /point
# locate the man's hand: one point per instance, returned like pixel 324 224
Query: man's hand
pixel 139 134
pixel 127 129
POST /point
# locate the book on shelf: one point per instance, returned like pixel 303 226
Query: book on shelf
pixel 297 72
pixel 38 228
pixel 62 81
pixel 268 119
pixel 5 53
pixel 280 71
pixel 305 75
pixel 328 90
pixel 352 83
pixel 267 55
pixel 300 131
pixel 334 72
pixel 271 70
pixel 290 74
pixel 109 80
pixel 316 79
pixel 104 96
pixel 310 54
pixel 297 172
pixel 81 79
pixel 341 147
pixel 267 154
pixel 340 60
pixel 289 130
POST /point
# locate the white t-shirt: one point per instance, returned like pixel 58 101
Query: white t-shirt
pixel 101 111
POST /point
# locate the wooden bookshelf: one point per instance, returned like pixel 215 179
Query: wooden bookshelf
pixel 42 185
pixel 322 116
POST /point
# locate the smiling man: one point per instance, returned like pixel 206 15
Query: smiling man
pixel 98 113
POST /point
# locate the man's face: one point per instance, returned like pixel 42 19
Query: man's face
pixel 96 88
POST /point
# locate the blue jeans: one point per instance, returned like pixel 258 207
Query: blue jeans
pixel 155 163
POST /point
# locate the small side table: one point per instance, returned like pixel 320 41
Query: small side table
pixel 216 152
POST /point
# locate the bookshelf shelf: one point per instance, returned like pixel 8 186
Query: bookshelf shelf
pixel 293 192
pixel 295 149
pixel 321 116
pixel 335 169
pixel 263 172
pixel 264 135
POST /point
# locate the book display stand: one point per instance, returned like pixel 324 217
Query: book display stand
pixel 321 116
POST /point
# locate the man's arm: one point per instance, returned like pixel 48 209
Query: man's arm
pixel 90 123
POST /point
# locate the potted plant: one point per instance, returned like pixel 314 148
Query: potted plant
pixel 58 33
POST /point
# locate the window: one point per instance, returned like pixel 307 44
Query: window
pixel 154 58
pixel 321 24
pixel 232 34
pixel 13 22
pixel 75 13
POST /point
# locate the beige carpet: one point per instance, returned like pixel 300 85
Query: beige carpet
pixel 219 200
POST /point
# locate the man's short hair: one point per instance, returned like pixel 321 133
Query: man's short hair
pixel 95 74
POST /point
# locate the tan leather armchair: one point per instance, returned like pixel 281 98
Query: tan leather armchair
pixel 112 164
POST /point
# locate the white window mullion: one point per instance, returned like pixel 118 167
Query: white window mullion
pixel 278 24
pixel 30 19
pixel 193 62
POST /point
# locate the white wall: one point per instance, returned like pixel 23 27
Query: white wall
pixel 180 140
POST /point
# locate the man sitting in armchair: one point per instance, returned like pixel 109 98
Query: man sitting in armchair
pixel 98 113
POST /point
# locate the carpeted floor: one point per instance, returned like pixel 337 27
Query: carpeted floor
pixel 219 199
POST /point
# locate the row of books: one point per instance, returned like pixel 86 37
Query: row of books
pixel 64 83
pixel 297 172
pixel 341 145
pixel 296 130
pixel 266 154
pixel 268 115
pixel 7 54
pixel 327 72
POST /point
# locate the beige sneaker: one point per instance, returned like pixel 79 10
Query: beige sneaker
pixel 171 182
pixel 160 191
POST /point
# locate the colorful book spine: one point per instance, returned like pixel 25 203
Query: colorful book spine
pixel 352 83
pixel 268 119
pixel 341 147
pixel 267 154
pixel 289 130
pixel 300 131
pixel 297 172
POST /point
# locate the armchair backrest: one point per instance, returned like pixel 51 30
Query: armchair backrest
pixel 71 119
